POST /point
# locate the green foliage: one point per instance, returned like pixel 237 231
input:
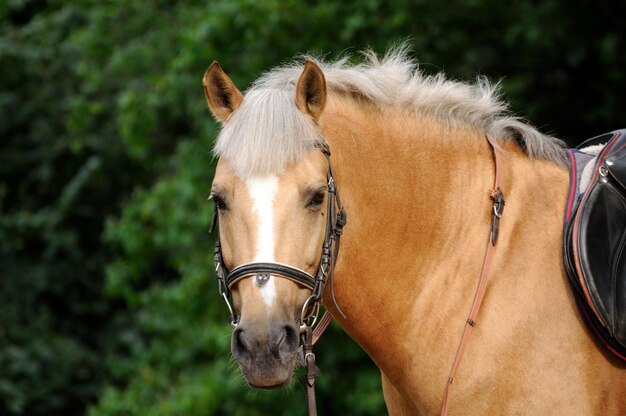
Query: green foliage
pixel 50 214
pixel 107 298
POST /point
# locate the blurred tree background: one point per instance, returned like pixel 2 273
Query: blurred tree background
pixel 107 299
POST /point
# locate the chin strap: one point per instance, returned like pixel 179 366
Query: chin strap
pixel 498 209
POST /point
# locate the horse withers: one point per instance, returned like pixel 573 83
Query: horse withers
pixel 416 176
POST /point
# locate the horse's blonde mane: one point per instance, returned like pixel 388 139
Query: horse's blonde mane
pixel 268 131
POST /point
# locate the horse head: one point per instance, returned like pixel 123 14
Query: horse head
pixel 272 216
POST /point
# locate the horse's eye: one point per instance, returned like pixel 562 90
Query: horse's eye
pixel 316 201
pixel 219 202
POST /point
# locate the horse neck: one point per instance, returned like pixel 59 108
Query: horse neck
pixel 417 197
pixel 416 193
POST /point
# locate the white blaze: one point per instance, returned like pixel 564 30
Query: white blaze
pixel 262 190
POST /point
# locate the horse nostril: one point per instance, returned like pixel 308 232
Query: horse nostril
pixel 240 348
pixel 286 341
pixel 291 336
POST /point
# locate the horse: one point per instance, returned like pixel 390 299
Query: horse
pixel 416 175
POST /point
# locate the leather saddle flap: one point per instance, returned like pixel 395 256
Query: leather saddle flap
pixel 599 239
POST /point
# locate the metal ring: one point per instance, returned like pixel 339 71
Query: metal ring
pixel 304 308
pixel 314 314
pixel 604 171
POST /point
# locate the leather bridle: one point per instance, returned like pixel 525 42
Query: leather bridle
pixel 335 221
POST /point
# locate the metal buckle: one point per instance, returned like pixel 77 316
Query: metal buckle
pixel 498 203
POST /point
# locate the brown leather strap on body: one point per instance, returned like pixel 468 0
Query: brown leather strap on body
pixel 498 208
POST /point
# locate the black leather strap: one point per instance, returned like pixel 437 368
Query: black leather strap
pixel 288 272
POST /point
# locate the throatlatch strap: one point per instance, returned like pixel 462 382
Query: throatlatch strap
pixel 498 208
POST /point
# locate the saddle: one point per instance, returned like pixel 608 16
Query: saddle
pixel 595 236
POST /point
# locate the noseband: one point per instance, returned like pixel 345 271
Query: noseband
pixel 336 219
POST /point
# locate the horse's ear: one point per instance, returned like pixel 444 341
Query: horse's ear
pixel 311 90
pixel 222 95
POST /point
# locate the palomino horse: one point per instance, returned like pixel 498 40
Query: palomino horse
pixel 415 172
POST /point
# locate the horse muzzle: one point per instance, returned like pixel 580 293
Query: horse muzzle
pixel 266 356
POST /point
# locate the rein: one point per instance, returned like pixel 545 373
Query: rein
pixel 498 209
pixel 336 220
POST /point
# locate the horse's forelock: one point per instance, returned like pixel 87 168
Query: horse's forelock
pixel 266 133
